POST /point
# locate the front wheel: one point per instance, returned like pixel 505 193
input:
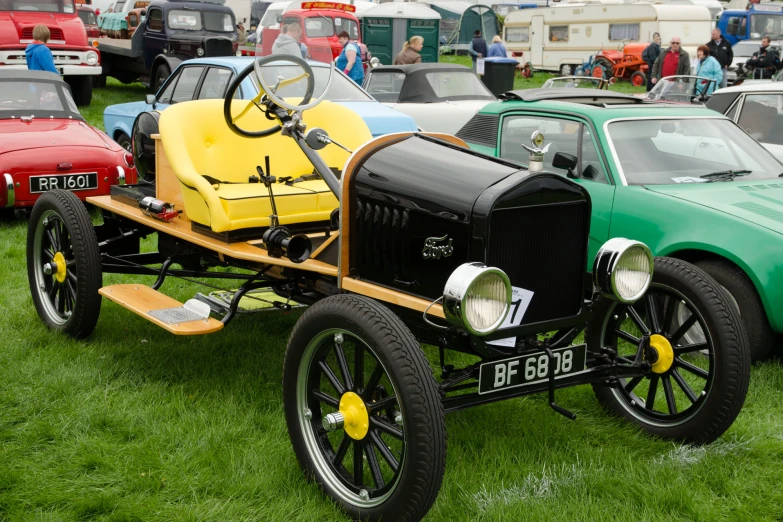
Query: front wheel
pixel 638 79
pixel 159 77
pixel 81 89
pixel 64 264
pixel 363 410
pixel 695 390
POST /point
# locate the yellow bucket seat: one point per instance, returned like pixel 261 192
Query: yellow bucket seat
pixel 198 143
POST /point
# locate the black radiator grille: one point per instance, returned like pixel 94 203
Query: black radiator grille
pixel 218 47
pixel 380 234
pixel 542 249
pixel 482 129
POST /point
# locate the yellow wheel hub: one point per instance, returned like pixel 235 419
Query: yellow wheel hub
pixel 665 353
pixel 59 261
pixel 357 419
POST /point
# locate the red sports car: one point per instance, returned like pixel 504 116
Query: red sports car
pixel 46 144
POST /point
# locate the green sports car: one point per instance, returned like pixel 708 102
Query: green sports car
pixel 683 179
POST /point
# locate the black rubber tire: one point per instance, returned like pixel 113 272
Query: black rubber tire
pixel 84 251
pixel 424 460
pixel 159 77
pixel 761 337
pixel 731 357
pixel 124 141
pixel 81 89
pixel 99 81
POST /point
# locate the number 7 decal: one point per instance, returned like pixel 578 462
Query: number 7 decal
pixel 520 300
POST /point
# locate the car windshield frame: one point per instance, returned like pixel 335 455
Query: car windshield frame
pixel 418 86
pixel 62 105
pixel 739 146
pixel 663 89
pixel 339 81
pixel 34 6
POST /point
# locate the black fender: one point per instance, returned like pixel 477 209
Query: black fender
pixel 172 62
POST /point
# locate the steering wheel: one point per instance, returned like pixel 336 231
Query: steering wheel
pixel 267 100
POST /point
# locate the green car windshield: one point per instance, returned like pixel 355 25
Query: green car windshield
pixel 662 152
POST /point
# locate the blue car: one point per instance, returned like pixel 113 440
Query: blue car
pixel 204 78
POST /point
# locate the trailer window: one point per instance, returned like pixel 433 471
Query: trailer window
pixel 47 6
pixel 558 33
pixel 517 34
pixel 620 32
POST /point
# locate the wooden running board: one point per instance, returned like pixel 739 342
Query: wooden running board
pixel 143 300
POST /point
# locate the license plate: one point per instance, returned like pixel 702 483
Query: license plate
pixel 60 70
pixel 71 182
pixel 531 369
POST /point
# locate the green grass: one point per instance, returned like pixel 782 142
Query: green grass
pixel 136 424
pixel 114 92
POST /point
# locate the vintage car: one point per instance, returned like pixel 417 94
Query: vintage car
pixel 757 108
pixel 681 89
pixel 685 180
pixel 394 242
pixel 441 97
pixel 45 143
pixel 205 78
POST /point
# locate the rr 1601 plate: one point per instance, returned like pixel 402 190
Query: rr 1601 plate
pixel 531 369
pixel 73 182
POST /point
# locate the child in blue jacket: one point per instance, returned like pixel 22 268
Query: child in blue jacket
pixel 39 57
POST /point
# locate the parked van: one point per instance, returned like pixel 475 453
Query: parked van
pixel 562 37
pixel 755 23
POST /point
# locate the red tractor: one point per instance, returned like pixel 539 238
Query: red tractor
pixel 625 63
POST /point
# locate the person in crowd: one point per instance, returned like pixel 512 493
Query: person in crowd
pixel 497 48
pixel 288 42
pixel 720 49
pixel 477 48
pixel 350 59
pixel 410 52
pixel 39 57
pixel 671 62
pixel 764 61
pixel 708 68
pixel 241 35
pixel 649 55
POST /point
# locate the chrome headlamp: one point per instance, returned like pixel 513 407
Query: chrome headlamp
pixel 623 269
pixel 91 58
pixel 477 298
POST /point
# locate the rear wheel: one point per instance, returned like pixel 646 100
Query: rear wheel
pixel 63 264
pixel 566 70
pixel 695 390
pixel 602 69
pixel 638 79
pixel 363 410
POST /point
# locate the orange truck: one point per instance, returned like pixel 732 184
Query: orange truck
pixel 321 22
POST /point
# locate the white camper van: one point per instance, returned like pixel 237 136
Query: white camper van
pixel 560 38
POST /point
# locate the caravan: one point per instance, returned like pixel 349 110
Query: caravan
pixel 561 38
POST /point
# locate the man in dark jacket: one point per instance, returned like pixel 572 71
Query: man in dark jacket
pixel 720 49
pixel 649 55
pixel 671 62
pixel 477 48
pixel 764 61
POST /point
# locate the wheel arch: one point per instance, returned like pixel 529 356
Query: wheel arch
pixel 694 255
pixel 171 61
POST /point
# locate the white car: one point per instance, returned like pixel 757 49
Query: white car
pixel 742 52
pixel 441 97
pixel 758 109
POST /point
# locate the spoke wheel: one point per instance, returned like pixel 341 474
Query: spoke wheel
pixel 363 410
pixel 694 390
pixel 63 264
